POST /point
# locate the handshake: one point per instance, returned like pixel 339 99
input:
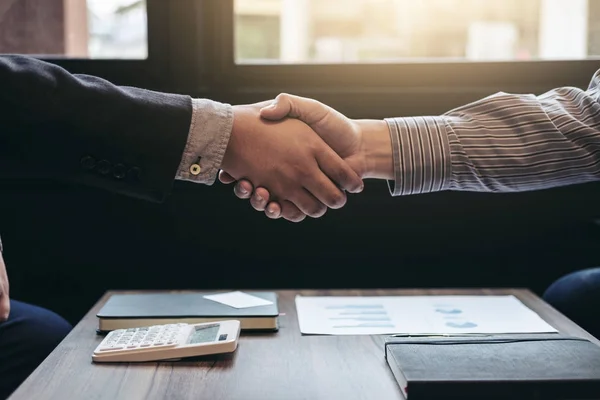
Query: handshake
pixel 295 157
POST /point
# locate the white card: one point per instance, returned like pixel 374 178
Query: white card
pixel 238 299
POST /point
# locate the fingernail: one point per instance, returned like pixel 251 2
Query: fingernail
pixel 259 198
pixel 243 190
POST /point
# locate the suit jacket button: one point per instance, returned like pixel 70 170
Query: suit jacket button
pixel 134 173
pixel 103 167
pixel 88 162
pixel 119 171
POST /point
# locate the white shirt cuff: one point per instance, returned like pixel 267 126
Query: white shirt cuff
pixel 421 153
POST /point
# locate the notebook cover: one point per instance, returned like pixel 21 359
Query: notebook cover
pixel 181 305
pixel 522 366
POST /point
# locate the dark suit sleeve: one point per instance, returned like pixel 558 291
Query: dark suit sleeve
pixel 86 130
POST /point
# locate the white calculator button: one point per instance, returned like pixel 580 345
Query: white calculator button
pixel 111 348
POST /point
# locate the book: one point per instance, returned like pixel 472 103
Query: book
pixel 522 366
pixel 124 311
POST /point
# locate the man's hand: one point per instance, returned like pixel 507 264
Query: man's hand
pixel 4 292
pixel 354 141
pixel 287 156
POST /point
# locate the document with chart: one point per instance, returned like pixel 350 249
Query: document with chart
pixel 330 315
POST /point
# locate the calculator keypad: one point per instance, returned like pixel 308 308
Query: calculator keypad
pixel 147 337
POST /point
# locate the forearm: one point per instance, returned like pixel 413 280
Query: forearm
pixel 376 149
pixel 503 143
pixel 87 130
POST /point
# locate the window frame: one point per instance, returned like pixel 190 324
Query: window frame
pixel 441 84
pixel 191 50
pixel 149 72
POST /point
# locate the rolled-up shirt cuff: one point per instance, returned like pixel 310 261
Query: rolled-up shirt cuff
pixel 421 152
pixel 208 138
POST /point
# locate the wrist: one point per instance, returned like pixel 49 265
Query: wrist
pixel 229 156
pixel 376 149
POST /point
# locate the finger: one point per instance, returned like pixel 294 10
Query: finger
pixel 4 306
pixel 338 171
pixel 326 191
pixel 290 212
pixel 225 178
pixel 260 199
pixel 273 210
pixel 243 189
pixel 308 204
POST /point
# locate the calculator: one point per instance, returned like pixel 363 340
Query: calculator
pixel 168 342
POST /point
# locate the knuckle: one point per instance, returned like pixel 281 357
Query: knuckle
pixel 342 176
pixel 293 217
pixel 258 206
pixel 316 210
pixel 283 96
pixel 337 199
pixel 240 193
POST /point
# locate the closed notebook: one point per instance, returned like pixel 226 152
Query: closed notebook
pixel 518 366
pixel 123 311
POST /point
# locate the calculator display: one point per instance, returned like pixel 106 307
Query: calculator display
pixel 204 334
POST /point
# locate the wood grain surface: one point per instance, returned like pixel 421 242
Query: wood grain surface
pixel 284 365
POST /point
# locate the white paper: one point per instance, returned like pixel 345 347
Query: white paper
pixel 417 315
pixel 238 299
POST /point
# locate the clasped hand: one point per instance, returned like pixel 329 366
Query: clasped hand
pixel 299 169
pixel 298 153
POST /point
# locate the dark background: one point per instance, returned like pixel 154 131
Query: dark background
pixel 66 245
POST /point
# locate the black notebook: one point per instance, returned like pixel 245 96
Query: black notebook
pixel 123 311
pixel 517 366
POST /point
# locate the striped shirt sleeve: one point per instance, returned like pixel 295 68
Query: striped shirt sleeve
pixel 502 143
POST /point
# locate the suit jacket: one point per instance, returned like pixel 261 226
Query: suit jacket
pixel 85 130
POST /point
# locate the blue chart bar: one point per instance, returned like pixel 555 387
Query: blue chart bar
pixel 355 306
pixel 364 312
pixel 366 325
pixel 361 318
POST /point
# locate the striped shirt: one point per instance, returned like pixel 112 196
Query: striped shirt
pixel 502 143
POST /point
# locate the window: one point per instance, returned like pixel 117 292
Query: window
pixel 384 31
pixel 404 57
pixel 96 29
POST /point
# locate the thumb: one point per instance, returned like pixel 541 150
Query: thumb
pixel 279 109
pixel 309 111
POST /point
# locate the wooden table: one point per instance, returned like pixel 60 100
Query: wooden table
pixel 282 366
